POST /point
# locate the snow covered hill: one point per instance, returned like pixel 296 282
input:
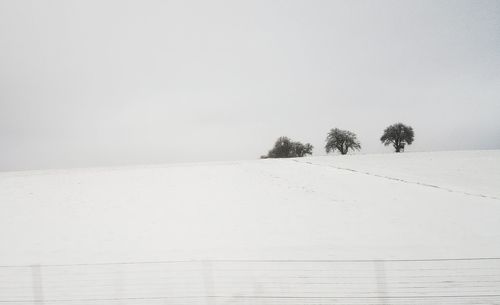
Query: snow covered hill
pixel 411 206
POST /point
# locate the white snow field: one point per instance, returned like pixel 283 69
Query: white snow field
pixel 411 228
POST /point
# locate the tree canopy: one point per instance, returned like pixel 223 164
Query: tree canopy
pixel 286 148
pixel 398 135
pixel 341 140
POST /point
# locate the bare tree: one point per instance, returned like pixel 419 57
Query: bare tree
pixel 286 148
pixel 398 135
pixel 341 140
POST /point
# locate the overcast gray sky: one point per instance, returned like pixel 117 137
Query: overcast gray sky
pixel 93 83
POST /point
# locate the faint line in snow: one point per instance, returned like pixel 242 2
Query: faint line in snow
pixel 402 180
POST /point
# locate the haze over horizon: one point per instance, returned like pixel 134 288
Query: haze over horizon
pixel 104 83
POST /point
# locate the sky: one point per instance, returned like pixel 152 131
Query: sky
pixel 116 82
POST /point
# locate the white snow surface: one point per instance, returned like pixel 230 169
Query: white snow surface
pixel 386 206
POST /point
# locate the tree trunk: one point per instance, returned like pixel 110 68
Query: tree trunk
pixel 397 146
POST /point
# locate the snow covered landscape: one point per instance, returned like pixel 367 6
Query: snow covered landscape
pixel 254 152
pixel 412 228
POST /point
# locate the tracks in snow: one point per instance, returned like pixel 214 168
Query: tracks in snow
pixel 402 180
